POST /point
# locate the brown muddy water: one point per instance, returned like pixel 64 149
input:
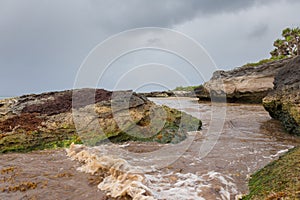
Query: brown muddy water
pixel 208 165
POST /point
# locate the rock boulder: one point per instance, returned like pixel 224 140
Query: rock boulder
pixel 55 119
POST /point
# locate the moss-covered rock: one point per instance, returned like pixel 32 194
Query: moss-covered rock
pixel 278 180
pixel 55 119
pixel 286 112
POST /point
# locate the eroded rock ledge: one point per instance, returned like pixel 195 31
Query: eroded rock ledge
pixel 283 103
pixel 246 84
pixel 47 120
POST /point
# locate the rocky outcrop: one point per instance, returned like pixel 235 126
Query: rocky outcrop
pixel 158 94
pixel 202 93
pixel 283 103
pixel 246 84
pixel 169 93
pixel 47 120
pixel 184 94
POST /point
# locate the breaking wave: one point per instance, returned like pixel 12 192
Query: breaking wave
pixel 120 179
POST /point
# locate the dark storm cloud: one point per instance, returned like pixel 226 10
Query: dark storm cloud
pixel 136 13
pixel 42 43
pixel 247 35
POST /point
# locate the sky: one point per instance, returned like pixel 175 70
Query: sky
pixel 43 43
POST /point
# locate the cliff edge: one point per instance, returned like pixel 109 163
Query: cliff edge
pixel 246 84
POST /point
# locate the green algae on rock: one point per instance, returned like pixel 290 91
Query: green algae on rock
pixel 278 180
pixel 46 120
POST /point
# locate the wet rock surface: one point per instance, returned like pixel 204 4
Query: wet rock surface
pixel 246 84
pixel 283 103
pixel 57 119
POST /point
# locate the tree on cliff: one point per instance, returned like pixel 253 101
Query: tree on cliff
pixel 288 45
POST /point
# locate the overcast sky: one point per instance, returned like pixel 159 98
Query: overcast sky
pixel 44 42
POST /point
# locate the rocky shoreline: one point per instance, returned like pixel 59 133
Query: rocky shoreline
pixel 42 121
pixel 280 179
pixel 46 120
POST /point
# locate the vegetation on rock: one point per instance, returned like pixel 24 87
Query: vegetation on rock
pixel 278 180
pixel 288 45
pixel 285 47
pixel 265 61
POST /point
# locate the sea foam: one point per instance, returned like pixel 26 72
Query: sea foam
pixel 121 179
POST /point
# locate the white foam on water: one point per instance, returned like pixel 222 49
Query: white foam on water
pixel 121 179
pixel 176 186
pixel 277 154
pixel 189 186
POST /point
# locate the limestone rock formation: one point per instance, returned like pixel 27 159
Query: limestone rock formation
pixel 246 84
pixel 87 115
pixel 283 103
